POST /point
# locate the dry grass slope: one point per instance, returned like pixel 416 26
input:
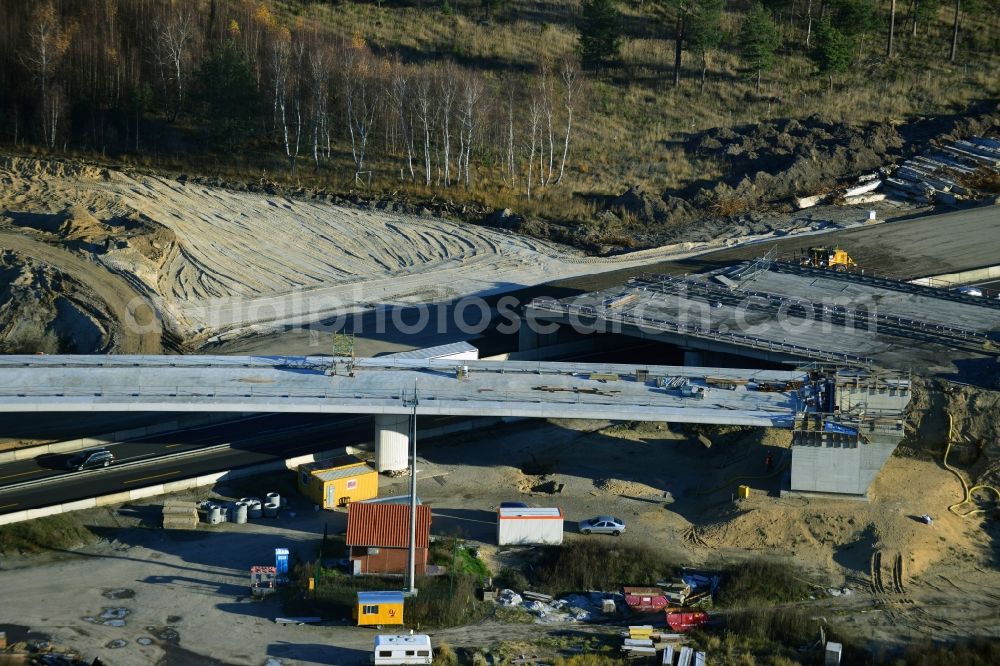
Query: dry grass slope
pixel 633 121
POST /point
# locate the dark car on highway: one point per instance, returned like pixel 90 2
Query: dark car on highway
pixel 90 459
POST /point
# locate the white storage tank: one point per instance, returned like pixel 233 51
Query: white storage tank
pixel 528 526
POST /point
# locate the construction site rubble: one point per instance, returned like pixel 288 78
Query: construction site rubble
pixel 958 171
pixel 946 174
pixel 701 583
pixel 678 598
pixel 571 608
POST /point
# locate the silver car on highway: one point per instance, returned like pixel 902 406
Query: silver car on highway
pixel 602 525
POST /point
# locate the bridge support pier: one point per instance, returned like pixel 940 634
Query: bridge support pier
pixel 530 338
pixel 693 358
pixel 392 440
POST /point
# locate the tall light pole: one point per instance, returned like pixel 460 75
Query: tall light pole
pixel 412 554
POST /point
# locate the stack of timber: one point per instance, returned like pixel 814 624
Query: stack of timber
pixel 644 641
pixel 938 176
pixel 179 515
pixel 638 641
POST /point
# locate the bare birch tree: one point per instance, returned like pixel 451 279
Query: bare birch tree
pixel 511 165
pixel 809 22
pixel 569 73
pixel 320 64
pixel 360 91
pixel 547 93
pixel 281 55
pixel 471 93
pixel 298 53
pixel 954 34
pixel 892 28
pixel 424 112
pixel 49 42
pixel 534 124
pixel 400 89
pixel 447 89
pixel 173 44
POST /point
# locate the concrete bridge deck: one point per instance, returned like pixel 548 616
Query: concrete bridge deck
pixel 789 313
pixel 386 386
pixel 845 424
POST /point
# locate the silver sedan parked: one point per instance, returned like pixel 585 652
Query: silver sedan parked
pixel 602 525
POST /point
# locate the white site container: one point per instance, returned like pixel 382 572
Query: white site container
pixel 412 649
pixel 524 526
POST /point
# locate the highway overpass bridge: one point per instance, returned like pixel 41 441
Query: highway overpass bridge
pixel 846 423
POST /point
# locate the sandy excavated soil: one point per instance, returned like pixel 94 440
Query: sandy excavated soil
pixel 214 261
pixel 948 568
pixel 54 300
pixel 33 295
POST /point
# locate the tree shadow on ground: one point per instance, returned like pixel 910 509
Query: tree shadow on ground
pixel 318 653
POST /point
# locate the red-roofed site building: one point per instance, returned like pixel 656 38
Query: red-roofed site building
pixel 378 537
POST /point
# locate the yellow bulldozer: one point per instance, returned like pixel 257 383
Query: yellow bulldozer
pixel 825 257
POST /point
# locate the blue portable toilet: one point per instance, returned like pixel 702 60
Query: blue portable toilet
pixel 281 561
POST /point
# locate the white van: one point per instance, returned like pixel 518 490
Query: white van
pixel 411 649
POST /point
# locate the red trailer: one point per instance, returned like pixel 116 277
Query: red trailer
pixel 645 599
pixel 686 620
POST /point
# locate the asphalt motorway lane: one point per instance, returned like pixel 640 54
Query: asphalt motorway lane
pixel 253 440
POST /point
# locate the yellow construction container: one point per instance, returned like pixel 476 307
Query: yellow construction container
pixel 743 492
pixel 379 608
pixel 333 483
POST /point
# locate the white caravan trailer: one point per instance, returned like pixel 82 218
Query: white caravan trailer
pixel 411 649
